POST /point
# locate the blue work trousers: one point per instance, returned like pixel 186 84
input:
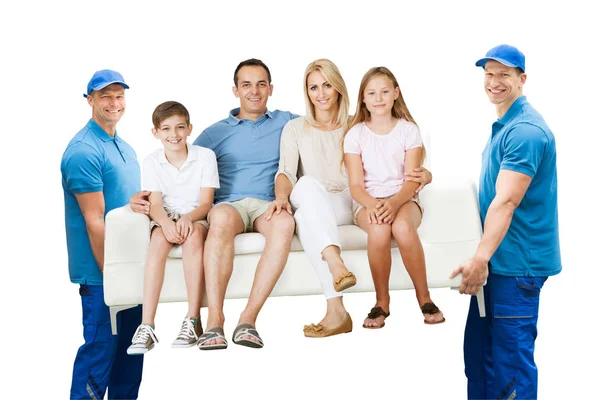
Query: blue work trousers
pixel 498 349
pixel 102 362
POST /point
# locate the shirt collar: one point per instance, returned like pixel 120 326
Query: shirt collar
pixel 233 120
pixel 513 109
pixel 101 133
pixel 191 156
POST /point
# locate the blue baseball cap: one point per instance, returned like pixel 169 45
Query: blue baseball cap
pixel 504 54
pixel 102 79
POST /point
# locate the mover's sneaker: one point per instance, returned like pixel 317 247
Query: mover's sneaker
pixel 191 329
pixel 143 340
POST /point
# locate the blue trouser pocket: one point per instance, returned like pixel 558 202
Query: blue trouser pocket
pixel 530 287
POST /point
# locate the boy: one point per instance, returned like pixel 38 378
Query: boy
pixel 182 179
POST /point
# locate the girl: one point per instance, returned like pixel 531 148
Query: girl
pixel 382 143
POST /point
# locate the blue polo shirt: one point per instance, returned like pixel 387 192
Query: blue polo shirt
pixel 247 154
pixel 94 162
pixel 522 142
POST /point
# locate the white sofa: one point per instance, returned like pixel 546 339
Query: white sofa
pixel 450 232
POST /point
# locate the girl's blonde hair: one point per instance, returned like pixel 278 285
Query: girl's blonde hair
pixel 399 110
pixel 332 75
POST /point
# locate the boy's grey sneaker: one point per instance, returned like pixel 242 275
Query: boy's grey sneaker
pixel 143 340
pixel 189 333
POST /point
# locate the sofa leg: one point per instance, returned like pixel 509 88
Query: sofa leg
pixel 113 316
pixel 480 301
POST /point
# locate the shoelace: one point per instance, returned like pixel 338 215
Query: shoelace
pixel 187 330
pixel 142 335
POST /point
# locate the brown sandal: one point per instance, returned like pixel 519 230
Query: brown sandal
pixel 377 312
pixel 344 282
pixel 430 308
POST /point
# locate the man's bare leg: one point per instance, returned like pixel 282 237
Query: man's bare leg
pixel 225 224
pixel 278 232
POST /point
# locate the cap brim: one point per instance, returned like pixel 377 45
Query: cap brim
pixel 481 63
pixel 105 84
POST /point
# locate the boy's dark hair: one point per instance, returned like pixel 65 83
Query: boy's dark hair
pixel 251 62
pixel 168 109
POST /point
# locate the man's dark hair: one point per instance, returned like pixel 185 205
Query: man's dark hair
pixel 251 62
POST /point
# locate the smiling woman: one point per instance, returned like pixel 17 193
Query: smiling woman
pixel 311 178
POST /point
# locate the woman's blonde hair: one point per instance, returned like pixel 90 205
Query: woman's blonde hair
pixel 331 73
pixel 399 110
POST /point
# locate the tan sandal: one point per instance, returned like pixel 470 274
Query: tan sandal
pixel 344 282
pixel 319 331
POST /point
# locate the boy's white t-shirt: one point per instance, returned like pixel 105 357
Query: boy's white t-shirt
pixel 383 155
pixel 180 188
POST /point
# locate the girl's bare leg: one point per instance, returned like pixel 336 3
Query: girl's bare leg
pixel 404 230
pixel 380 262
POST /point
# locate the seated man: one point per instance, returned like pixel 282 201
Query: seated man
pixel 247 148
pixel 246 145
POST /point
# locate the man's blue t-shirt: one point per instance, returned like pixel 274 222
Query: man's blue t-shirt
pixel 93 162
pixel 247 154
pixel 522 142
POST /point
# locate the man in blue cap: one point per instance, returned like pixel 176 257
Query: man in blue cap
pixel 100 172
pixel 520 246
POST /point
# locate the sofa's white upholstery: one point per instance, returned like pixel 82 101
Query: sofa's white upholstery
pixel 450 232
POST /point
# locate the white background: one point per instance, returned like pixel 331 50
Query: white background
pixel 187 52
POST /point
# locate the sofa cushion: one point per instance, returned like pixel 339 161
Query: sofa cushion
pixel 351 238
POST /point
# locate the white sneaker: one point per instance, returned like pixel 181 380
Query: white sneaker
pixel 143 340
pixel 189 333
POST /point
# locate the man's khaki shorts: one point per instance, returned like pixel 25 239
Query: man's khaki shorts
pixel 357 207
pixel 174 216
pixel 249 209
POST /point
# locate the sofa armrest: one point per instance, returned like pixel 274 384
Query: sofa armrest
pixel 450 213
pixel 127 237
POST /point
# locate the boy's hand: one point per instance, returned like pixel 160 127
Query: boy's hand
pixel 139 202
pixel 387 211
pixel 185 225
pixel 171 233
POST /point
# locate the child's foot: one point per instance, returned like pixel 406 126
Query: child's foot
pixel 143 340
pixel 432 314
pixel 191 329
pixel 376 318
